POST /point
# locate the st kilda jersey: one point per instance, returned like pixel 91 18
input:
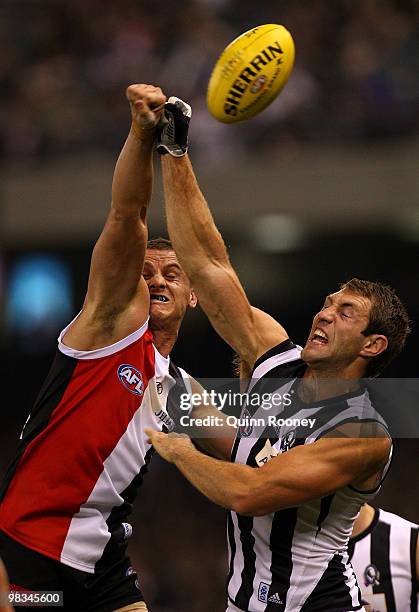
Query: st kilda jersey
pixel 384 559
pixel 83 451
pixel 294 559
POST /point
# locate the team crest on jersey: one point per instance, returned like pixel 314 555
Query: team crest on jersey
pixel 371 576
pixel 131 378
pixel 246 429
pixel 288 440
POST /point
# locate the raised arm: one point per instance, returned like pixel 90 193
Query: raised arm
pixel 117 300
pixel 203 255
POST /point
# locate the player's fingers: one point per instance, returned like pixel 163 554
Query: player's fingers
pixel 153 96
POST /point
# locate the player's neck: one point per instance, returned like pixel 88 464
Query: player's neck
pixel 320 385
pixel 364 520
pixel 164 340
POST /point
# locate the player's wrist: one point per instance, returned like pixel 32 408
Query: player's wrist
pixel 143 134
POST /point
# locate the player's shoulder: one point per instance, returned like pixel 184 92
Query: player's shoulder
pixel 282 359
pixel 98 350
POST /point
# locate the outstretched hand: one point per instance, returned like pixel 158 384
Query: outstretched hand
pixel 169 446
pixel 147 104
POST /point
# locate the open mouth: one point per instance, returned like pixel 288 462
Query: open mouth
pixel 319 337
pixel 158 298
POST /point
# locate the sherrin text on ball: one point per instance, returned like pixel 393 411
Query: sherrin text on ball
pixel 250 73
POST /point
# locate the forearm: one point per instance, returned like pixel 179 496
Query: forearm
pixel 192 230
pixel 224 483
pixel 214 436
pixel 133 177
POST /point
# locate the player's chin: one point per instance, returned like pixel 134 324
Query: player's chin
pixel 159 312
pixel 312 352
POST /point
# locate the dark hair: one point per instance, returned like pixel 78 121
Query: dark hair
pixel 160 244
pixel 388 317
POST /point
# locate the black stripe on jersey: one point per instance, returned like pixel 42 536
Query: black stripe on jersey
pixel 173 397
pixel 331 582
pixel 363 534
pixel 235 447
pixel 380 557
pixel 282 533
pixel 232 542
pixel 245 525
pixel 415 584
pixel 325 504
pixel 281 537
pixel 245 592
pixel 117 543
pixel 49 397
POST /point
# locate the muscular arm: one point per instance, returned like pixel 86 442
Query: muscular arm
pixel 215 440
pixel 203 255
pixel 117 300
pixel 290 479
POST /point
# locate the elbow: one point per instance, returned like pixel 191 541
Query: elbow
pixel 249 503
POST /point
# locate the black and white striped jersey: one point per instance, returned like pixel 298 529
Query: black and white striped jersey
pixel 384 559
pixel 295 559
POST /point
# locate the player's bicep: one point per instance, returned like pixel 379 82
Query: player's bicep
pixel 315 470
pixel 117 260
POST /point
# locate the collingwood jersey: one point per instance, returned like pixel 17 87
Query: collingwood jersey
pixel 384 559
pixel 83 450
pixel 295 559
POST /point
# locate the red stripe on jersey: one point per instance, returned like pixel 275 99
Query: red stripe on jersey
pixel 62 464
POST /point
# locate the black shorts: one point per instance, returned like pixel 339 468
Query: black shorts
pixel 113 585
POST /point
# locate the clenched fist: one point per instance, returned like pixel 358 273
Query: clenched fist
pixel 147 104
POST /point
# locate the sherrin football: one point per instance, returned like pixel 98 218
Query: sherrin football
pixel 250 73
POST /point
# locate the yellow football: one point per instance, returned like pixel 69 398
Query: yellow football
pixel 250 73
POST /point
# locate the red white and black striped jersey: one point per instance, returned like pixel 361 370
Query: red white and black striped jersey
pixel 295 559
pixel 83 451
pixel 384 559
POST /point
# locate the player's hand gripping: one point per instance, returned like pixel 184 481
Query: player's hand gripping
pixel 147 104
pixel 169 446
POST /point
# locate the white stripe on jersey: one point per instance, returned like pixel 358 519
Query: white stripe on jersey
pixel 268 365
pixel 235 581
pixel 351 580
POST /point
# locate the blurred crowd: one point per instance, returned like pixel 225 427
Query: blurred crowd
pixel 64 67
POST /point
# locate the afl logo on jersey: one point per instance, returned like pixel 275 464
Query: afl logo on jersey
pixel 131 378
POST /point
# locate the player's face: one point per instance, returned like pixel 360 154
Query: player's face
pixel 169 287
pixel 336 338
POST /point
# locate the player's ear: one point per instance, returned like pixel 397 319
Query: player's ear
pixel 193 300
pixel 375 344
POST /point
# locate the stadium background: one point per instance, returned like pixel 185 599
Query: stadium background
pixel 321 187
